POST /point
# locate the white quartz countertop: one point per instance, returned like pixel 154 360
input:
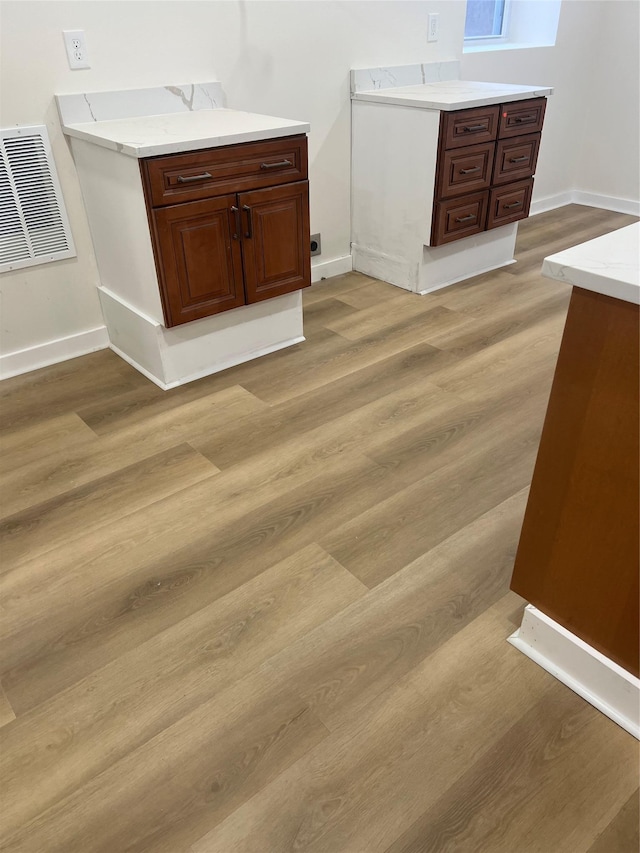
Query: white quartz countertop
pixel 172 133
pixel 451 94
pixel 609 265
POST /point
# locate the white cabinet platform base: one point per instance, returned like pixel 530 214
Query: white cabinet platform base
pixel 172 357
pixel 604 684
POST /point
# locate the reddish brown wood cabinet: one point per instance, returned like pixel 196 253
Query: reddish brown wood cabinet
pixel 230 226
pixel 578 554
pixel 493 149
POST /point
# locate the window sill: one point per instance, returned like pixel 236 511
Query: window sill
pixel 510 45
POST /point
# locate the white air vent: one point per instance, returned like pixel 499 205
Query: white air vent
pixel 34 227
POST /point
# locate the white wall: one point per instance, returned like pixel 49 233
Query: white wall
pixel 289 59
pixel 591 136
pixel 292 59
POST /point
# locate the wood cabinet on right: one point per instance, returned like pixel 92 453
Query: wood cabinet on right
pixel 578 555
pixel 493 148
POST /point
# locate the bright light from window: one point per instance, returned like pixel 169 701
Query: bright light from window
pixel 485 19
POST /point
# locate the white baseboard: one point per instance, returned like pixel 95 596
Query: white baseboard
pixel 542 205
pixel 326 269
pixel 606 202
pixel 43 355
pixel 604 684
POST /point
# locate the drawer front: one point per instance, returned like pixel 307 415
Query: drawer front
pixel 466 127
pixel 516 158
pixel 465 170
pixel 217 171
pixel 521 117
pixel 459 217
pixel 509 203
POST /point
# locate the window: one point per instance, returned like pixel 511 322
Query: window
pixel 510 24
pixel 485 19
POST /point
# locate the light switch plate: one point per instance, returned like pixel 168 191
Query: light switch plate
pixel 433 27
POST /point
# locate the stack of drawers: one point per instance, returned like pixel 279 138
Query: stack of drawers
pixel 486 161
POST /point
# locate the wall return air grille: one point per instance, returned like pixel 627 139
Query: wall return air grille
pixel 34 227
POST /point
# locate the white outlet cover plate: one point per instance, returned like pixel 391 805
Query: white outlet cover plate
pixel 76 46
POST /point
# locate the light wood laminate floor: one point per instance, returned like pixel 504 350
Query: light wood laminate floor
pixel 267 611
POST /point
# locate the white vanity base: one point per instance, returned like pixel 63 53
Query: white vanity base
pixel 604 684
pixel 393 171
pixel 172 357
pixel 440 266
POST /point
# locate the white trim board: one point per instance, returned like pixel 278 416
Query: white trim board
pixel 606 202
pixel 232 362
pixel 604 684
pixel 327 269
pixel 53 352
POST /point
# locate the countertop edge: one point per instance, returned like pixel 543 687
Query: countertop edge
pixel 183 146
pixel 588 280
pixel 385 96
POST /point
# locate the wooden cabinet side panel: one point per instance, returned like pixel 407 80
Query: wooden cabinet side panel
pixel 275 246
pixel 577 559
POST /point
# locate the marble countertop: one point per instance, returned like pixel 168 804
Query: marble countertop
pixel 175 132
pixel 609 265
pixel 450 94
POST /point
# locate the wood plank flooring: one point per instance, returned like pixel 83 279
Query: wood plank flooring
pixel 267 611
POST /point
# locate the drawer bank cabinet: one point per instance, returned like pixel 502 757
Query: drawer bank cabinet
pixel 229 225
pixel 486 161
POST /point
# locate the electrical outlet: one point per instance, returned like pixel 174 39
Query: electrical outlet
pixel 433 28
pixel 76 46
pixel 316 246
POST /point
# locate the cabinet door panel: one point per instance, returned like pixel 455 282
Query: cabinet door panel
pixel 200 267
pixel 275 244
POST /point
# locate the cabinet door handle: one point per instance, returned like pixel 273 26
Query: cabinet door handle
pixel 513 204
pixel 189 178
pixel 518 159
pixel 473 128
pixel 469 171
pixel 280 165
pixel 523 119
pixel 236 216
pixel 249 231
pixel 465 218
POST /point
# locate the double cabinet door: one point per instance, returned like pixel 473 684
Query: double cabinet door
pixel 232 250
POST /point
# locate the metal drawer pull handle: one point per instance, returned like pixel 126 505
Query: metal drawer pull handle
pixel 469 171
pixel 249 232
pixel 472 128
pixel 189 178
pixel 509 206
pixel 236 214
pixel 465 218
pixel 279 165
pixel 518 159
pixel 520 119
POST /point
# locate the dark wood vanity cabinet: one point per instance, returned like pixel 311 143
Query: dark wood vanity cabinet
pixel 484 173
pixel 230 225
